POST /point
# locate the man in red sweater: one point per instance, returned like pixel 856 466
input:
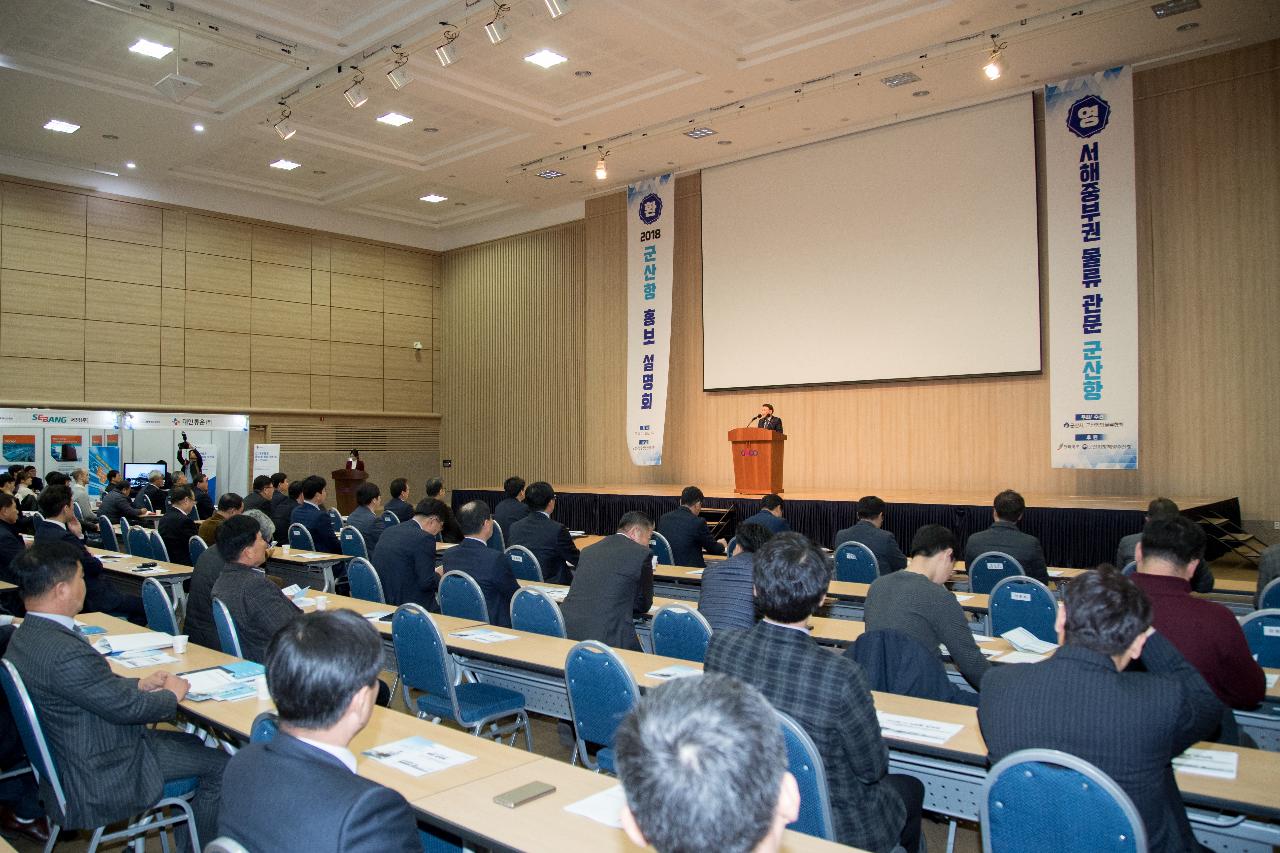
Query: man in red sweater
pixel 1206 633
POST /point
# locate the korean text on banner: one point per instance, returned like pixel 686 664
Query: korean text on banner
pixel 650 244
pixel 266 460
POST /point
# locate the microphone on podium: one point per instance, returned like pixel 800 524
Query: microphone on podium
pixel 753 418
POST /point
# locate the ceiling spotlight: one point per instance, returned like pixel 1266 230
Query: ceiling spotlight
pixel 394 119
pixel 151 49
pixel 286 165
pixel 995 62
pixel 602 171
pixel 433 198
pixel 550 173
pixel 1174 7
pixel 699 133
pixel 284 127
pixel 400 75
pixel 198 128
pixel 61 126
pixel 131 165
pixel 497 29
pixel 356 95
pixel 556 8
pixel 545 58
pixel 446 53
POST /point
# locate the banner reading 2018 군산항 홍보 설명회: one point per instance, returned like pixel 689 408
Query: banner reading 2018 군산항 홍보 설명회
pixel 651 214
pixel 1093 271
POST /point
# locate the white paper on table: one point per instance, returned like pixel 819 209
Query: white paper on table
pixel 1021 657
pixel 1056 573
pixel 696 573
pixel 576 534
pixel 292 589
pixel 136 642
pixel 375 615
pixel 304 601
pixel 483 635
pixel 139 659
pixel 676 670
pixel 960 596
pixel 155 570
pixel 211 681
pixel 991 653
pixel 1208 762
pixel 1272 678
pixel 604 807
pixel 418 756
pixel 555 593
pixel 1025 641
pixel 917 729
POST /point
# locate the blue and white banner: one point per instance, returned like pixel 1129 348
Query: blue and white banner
pixel 1093 271
pixel 651 214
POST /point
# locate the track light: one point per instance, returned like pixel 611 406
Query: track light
pixel 602 171
pixel 284 128
pixel 446 53
pixel 995 62
pixel 400 76
pixel 556 8
pixel 497 29
pixel 356 95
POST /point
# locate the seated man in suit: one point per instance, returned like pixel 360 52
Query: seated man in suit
pixel 112 765
pixel 549 540
pixel 1127 550
pixel 23 492
pixel 199 625
pixel 60 525
pixel 367 516
pixel 311 514
pixel 80 494
pixel 323 675
pixel 153 492
pixel 612 585
pixel 204 503
pixel 399 503
pixel 916 602
pixel 728 598
pixel 1206 632
pixel 1005 537
pixel 229 505
pixel 826 694
pixel 1150 716
pixel 686 533
pixel 282 511
pixel 257 606
pixel 405 559
pixel 1268 570
pixel 770 515
pixel 11 541
pixel 116 503
pixel 767 419
pixel 488 567
pixel 176 527
pixel 869 531
pixel 704 767
pixel 451 533
pixel 260 497
pixel 512 507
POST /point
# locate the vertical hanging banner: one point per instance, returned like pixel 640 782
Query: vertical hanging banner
pixel 650 242
pixel 1093 271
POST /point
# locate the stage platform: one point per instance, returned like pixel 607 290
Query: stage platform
pixel 1076 531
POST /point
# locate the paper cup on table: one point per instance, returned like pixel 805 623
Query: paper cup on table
pixel 322 602
pixel 284 549
pixel 180 644
pixel 263 693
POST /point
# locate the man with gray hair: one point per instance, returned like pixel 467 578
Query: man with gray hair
pixel 704 767
pixel 199 625
pixel 613 583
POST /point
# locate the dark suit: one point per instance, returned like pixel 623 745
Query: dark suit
pixel 199 625
pixel 728 599
pixel 1005 537
pixel 550 542
pixel 370 526
pixel 508 512
pixel 281 516
pixel 688 536
pixel 11 545
pixel 255 500
pixel 768 520
pixel 451 532
pixel 112 766
pixel 406 564
pixel 1129 724
pixel 1127 552
pixel 176 529
pixel 827 694
pixel 319 525
pixel 613 582
pixel 204 505
pixel 115 505
pixel 402 509
pixel 100 596
pixel 772 422
pixel 490 570
pixel 257 607
pixel 333 811
pixel 152 493
pixel 881 543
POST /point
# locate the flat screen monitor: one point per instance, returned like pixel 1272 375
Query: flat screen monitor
pixel 137 472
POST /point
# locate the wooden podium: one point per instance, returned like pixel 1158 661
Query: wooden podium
pixel 345 483
pixel 757 460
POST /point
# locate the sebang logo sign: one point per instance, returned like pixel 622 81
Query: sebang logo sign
pixel 57 419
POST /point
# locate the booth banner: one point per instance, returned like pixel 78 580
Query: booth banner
pixel 18 448
pixel 183 420
pixel 266 460
pixel 39 418
pixel 66 452
pixel 651 235
pixel 1093 271
pixel 102 460
pixel 209 453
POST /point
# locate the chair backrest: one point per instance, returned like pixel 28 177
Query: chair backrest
pixel 364 580
pixel 300 537
pixel 195 547
pixel 661 549
pixel 24 715
pixel 1270 598
pixel 335 518
pixel 1129 568
pixel 1063 802
pixel 989 568
pixel 534 611
pixel 733 543
pixel 524 565
pixel 158 607
pixel 264 727
pixel 228 638
pixel 107 534
pixel 352 542
pixel 1022 601
pixel 601 692
pixel 497 541
pixel 159 551
pixel 420 652
pixel 79 513
pixel 856 563
pixel 680 632
pixel 1262 633
pixel 223 844
pixel 459 595
pixel 389 518
pixel 140 543
pixel 144 502
pixel 125 544
pixel 805 763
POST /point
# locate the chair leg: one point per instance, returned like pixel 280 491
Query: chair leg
pixel 528 732
pixel 94 840
pixel 951 836
pixel 54 829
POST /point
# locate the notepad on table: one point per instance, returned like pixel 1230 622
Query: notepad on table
pixel 1025 641
pixel 418 756
pixel 135 642
pixel 676 670
pixel 555 593
pixel 916 729
pixel 218 684
pixel 604 807
pixel 144 658
pixel 483 635
pixel 375 615
pixel 961 596
pixel 1056 573
pixel 1217 763
pixel 1020 657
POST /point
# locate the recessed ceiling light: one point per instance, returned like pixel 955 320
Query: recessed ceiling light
pixel 433 198
pixel 902 79
pixel 725 142
pixel 431 130
pixel 111 136
pixel 61 126
pixel 920 93
pixel 583 73
pixel 550 173
pixel 131 165
pixel 545 58
pixel 151 49
pixel 198 128
pixel 203 63
pixel 1188 27
pixel 556 8
pixel 394 119
pixel 699 133
pixel 286 165
pixel 1174 7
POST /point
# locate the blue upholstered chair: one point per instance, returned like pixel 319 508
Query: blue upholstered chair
pixel 459 595
pixel 352 542
pixel 263 728
pixel 497 541
pixel 1262 633
pixel 389 518
pixel 228 637
pixel 1021 601
pixel 661 549
pixel 140 543
pixel 524 565
pixel 601 693
pixel 1270 598
pixel 195 547
pixel 681 632
pixel 805 763
pixel 159 551
pixel 158 607
pixel 856 563
pixel 364 581
pixel 300 538
pixel 534 611
pixel 107 534
pixel 335 518
pixel 989 568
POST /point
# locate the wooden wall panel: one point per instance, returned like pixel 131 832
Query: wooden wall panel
pixel 411 267
pixel 173 306
pixel 288 390
pixel 44 209
pixel 55 377
pixel 175 230
pixel 41 293
pixel 348 256
pixel 278 246
pixel 401 331
pixel 402 363
pixel 355 291
pixel 140 382
pixel 125 222
pixel 212 387
pixel 402 396
pixel 41 251
pixel 227 350
pixel 173 347
pixel 122 343
pixel 119 302
pixel 355 360
pixel 357 327
pixel 280 355
pixel 217 312
pixel 216 274
pixel 111 261
pixel 33 336
pixel 208 235
pixel 292 284
pixel 407 299
pixel 320 287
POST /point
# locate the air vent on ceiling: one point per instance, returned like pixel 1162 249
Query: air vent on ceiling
pixel 1174 7
pixel 550 173
pixel 901 79
pixel 699 133
pixel 177 88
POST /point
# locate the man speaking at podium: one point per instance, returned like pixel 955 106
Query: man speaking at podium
pixel 767 419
